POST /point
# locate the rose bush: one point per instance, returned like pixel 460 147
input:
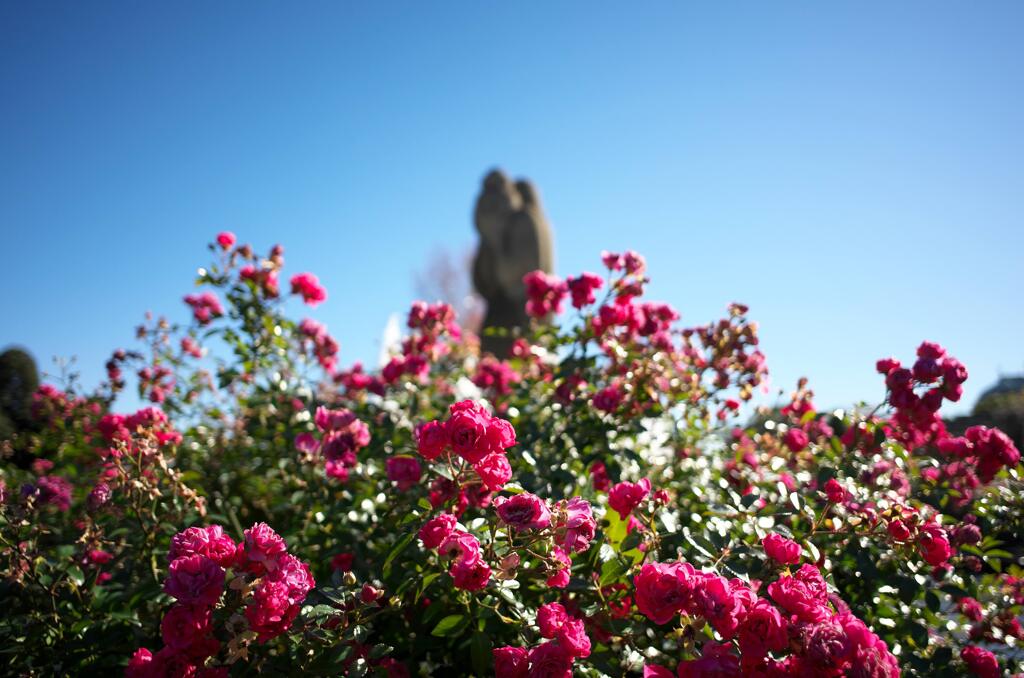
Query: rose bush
pixel 617 496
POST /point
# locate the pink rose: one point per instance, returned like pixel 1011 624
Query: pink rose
pixel 309 287
pixel 431 440
pixel 470 576
pixel 342 562
pixel 184 625
pixel 195 580
pixel 336 470
pixel 550 618
pixel 263 546
pixel 583 287
pixel 825 644
pixel 803 594
pixel 835 492
pixel 99 556
pixel 624 497
pixel 333 420
pixel 369 594
pixel 550 660
pixel 970 608
pixel 404 471
pixel 140 665
pixel 719 603
pixel 795 439
pixel 716 660
pixel 898 530
pixel 599 476
pixel 763 630
pixel 572 635
pixel 499 435
pixel 494 470
pixel 170 662
pixel 576 525
pixel 559 578
pixel 205 541
pixel 930 350
pixel 225 239
pixel 663 590
pixel 510 662
pixel 887 365
pixel 780 549
pixel 981 662
pixel 463 546
pixel 271 611
pixel 437 529
pixel 307 444
pixel 524 512
pixel 466 430
pixel 608 399
pixel 544 293
pixel 295 575
pixel 934 544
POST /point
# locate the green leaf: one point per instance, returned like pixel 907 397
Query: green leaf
pixel 919 633
pixel 908 588
pixel 402 544
pixel 616 527
pixel 426 581
pixel 76 575
pixel 480 652
pixel 631 541
pixel 449 626
pixel 360 633
pixel 612 571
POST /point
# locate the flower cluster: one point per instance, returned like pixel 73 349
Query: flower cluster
pixel 275 583
pixel 155 382
pixel 496 376
pixel 356 379
pixel 263 278
pixel 284 581
pixel 582 289
pixel 205 307
pixel 905 525
pixel 195 580
pixel 567 527
pixel 986 450
pixel 625 496
pixel 917 393
pixel 567 640
pixel 799 631
pixel 468 569
pixel 49 490
pixel 324 346
pixel 473 435
pixel 307 285
pixel 342 436
pixel 190 347
pixel 659 514
pixel 544 293
pixel 430 325
pixel 117 429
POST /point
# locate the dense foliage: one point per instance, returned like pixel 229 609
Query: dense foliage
pixel 593 505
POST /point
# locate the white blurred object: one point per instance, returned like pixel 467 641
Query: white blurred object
pixel 391 340
pixel 467 390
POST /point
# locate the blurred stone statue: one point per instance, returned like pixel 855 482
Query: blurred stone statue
pixel 515 238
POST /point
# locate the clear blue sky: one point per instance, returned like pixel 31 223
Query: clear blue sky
pixel 853 171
